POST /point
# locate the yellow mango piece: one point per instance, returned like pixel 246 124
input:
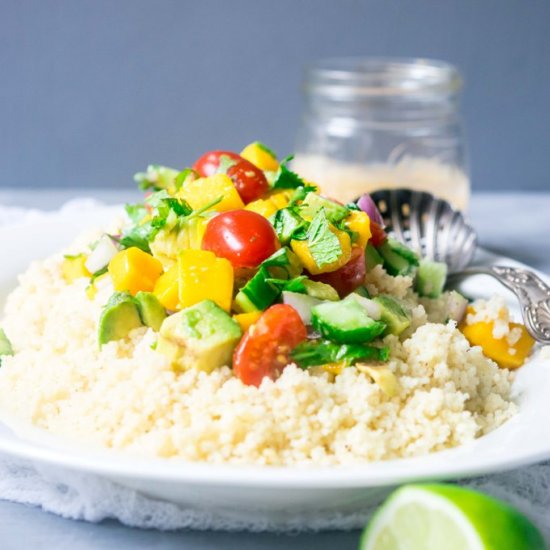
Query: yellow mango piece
pixel 246 320
pixel 267 206
pixel 359 222
pixel 167 289
pixel 73 268
pixel 301 249
pixel 202 191
pixel 203 276
pixel 499 350
pixel 133 270
pixel 259 155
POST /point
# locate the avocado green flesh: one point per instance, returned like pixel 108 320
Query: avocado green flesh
pixel 202 337
pixel 394 314
pixel 345 322
pixel 151 311
pixel 118 320
pixel 322 291
pixel 5 345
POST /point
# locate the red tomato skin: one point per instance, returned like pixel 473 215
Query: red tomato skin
pixel 208 164
pixel 378 235
pixel 243 237
pixel 264 350
pixel 249 180
pixel 349 277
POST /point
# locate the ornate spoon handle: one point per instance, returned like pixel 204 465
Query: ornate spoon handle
pixel 532 292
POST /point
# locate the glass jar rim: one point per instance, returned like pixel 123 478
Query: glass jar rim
pixel 348 77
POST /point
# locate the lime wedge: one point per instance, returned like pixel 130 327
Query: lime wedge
pixel 446 517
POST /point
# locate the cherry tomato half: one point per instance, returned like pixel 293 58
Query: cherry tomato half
pixel 243 237
pixel 265 348
pixel 249 180
pixel 378 235
pixel 208 164
pixel 349 277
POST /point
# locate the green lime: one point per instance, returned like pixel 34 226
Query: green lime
pixel 447 517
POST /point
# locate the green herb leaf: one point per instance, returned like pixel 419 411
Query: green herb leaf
pixel 323 244
pixel 136 212
pixel 226 162
pixel 300 194
pixel 183 176
pixel 285 178
pixel 139 236
pixel 286 222
pixel 291 285
pixel 320 352
pixel 156 177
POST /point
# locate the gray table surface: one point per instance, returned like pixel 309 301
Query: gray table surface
pixel 516 225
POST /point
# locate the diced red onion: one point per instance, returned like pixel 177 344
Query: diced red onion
pixel 302 303
pixel 373 309
pixel 367 205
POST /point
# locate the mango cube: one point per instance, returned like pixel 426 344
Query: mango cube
pixel 133 270
pixel 74 267
pixel 359 222
pixel 202 191
pixel 259 155
pixel 167 289
pixel 203 276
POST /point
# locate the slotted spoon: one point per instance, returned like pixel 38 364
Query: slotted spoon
pixel 433 228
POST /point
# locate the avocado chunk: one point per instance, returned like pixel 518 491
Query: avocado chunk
pixel 430 278
pixel 119 317
pixel 396 316
pixel 151 311
pixel 322 291
pixel 200 337
pixel 5 345
pixel 313 203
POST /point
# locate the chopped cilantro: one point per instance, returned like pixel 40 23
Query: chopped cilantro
pixel 136 212
pixel 286 223
pixel 285 178
pixel 226 162
pixel 323 244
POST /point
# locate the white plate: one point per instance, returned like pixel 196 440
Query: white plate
pixel 256 493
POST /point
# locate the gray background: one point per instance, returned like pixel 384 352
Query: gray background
pixel 91 91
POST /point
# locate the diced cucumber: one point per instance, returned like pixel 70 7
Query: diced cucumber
pixel 362 291
pixel 258 292
pixel 313 203
pixel 398 258
pixel 345 322
pixel 396 316
pixel 403 251
pixel 323 291
pixel 372 257
pixel 430 278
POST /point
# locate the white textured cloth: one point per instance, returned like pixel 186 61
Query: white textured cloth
pixel 91 498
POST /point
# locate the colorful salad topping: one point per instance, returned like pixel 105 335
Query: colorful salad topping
pixel 239 261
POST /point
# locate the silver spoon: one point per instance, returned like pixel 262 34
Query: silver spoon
pixel 432 227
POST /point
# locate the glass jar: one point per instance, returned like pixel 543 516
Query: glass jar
pixel 379 123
